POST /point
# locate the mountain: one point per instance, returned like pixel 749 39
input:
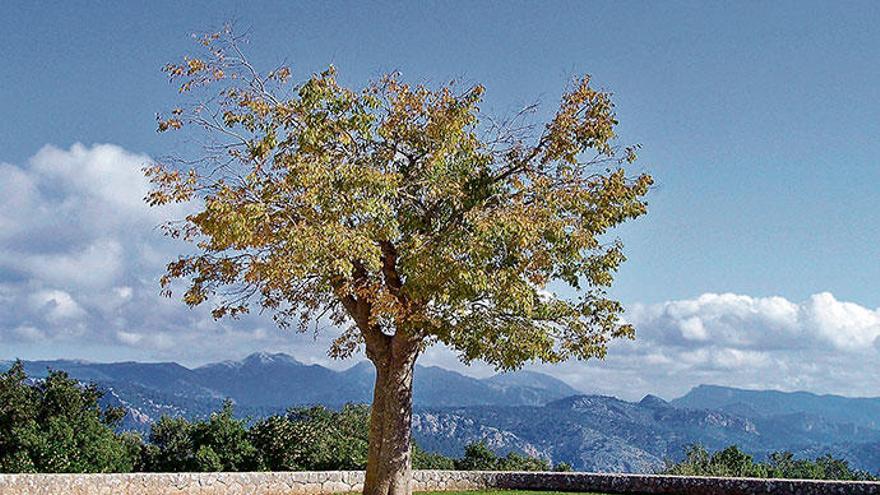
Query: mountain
pixel 169 378
pixel 600 433
pixel 863 412
pixel 264 383
pixel 591 432
pixel 530 380
pixel 275 380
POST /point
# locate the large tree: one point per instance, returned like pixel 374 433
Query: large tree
pixel 402 215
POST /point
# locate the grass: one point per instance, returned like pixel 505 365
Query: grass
pixel 506 492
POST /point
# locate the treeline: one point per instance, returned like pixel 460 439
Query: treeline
pixel 57 425
pixel 733 462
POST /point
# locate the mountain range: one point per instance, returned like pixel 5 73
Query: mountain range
pixel 524 411
pixel 264 383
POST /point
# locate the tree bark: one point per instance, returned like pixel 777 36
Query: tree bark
pixel 389 465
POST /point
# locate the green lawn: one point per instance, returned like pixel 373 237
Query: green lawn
pixel 506 492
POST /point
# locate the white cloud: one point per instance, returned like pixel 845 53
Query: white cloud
pixel 693 329
pixel 744 322
pixel 845 325
pixel 123 293
pixel 17 192
pixel 820 344
pixel 29 334
pixel 94 265
pixel 55 305
pixel 129 338
pixel 104 172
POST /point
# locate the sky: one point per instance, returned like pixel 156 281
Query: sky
pixel 756 266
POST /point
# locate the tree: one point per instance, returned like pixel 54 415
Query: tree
pixel 56 425
pixel 220 443
pixel 314 439
pixel 479 457
pixel 733 462
pixel 401 215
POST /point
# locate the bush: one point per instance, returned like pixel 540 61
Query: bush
pixel 563 467
pixel 429 460
pixel 317 438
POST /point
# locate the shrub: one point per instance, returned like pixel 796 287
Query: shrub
pixel 314 438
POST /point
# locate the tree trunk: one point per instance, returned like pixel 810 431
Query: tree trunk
pixel 389 467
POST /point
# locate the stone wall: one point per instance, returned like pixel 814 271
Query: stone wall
pixel 323 483
pixel 678 485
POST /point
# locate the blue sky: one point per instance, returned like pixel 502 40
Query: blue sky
pixel 758 120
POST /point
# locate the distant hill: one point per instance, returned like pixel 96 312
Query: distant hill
pixel 864 412
pixel 276 380
pixel 523 411
pixel 532 380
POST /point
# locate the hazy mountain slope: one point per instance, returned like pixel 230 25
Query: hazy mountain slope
pixel 265 381
pixel 167 378
pixel 146 405
pixel 534 380
pixel 858 411
pixel 601 433
pixel 594 433
pixel 273 380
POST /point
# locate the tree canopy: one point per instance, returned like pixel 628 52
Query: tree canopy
pixel 399 209
pixel 56 425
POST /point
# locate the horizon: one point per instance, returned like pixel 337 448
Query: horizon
pixel 755 267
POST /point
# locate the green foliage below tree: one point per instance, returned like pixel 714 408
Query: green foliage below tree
pixel 57 426
pixel 733 462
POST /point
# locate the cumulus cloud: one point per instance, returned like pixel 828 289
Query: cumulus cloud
pixel 819 344
pixel 80 258
pixel 759 324
pixel 55 305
